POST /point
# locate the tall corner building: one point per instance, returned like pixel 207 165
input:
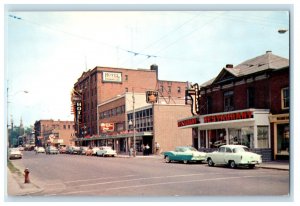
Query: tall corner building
pixel 101 85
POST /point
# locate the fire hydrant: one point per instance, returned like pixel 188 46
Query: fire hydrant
pixel 26 175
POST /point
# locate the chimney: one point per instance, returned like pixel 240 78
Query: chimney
pixel 154 67
pixel 229 66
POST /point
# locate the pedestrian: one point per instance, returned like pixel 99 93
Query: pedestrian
pixel 147 148
pixel 143 149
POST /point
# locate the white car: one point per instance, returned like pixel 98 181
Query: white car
pixel 40 150
pixel 233 156
pixel 14 153
pixel 106 151
pixel 95 149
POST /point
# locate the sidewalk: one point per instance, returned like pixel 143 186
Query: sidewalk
pixel 17 187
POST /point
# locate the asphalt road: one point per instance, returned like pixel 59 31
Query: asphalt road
pixel 65 175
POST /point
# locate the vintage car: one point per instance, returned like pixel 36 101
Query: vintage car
pixel 51 150
pixel 105 151
pixel 40 150
pixel 14 153
pixel 233 156
pixel 185 154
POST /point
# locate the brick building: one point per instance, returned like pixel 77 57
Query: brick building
pixel 102 84
pixel 155 124
pixel 51 132
pixel 247 104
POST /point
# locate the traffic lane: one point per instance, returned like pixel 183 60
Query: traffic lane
pixel 234 183
pixel 145 174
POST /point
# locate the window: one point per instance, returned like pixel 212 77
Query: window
pixel 209 104
pixel 65 127
pixel 250 98
pixel 126 77
pixel 126 89
pixel 262 136
pixel 178 89
pixel 162 88
pixel 285 98
pixel 169 89
pixel 228 101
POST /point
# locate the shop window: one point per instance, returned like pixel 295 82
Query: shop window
pixel 262 137
pixel 285 98
pixel 250 97
pixel 283 139
pixel 243 136
pixel 228 101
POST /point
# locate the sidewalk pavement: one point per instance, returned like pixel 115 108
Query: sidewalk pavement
pixel 17 187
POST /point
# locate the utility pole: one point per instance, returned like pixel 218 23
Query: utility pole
pixel 133 105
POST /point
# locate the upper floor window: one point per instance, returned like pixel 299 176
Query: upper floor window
pixel 162 88
pixel 228 101
pixel 169 89
pixel 178 89
pixel 209 104
pixel 126 77
pixel 250 97
pixel 285 98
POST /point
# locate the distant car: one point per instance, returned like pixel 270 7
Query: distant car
pixel 62 150
pixel 95 149
pixel 21 148
pixel 185 154
pixel 51 150
pixel 83 150
pixel 75 150
pixel 106 151
pixel 233 156
pixel 89 151
pixel 14 153
pixel 40 150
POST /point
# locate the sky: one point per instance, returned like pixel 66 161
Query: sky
pixel 46 52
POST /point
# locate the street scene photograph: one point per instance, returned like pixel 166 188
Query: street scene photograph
pixel 134 104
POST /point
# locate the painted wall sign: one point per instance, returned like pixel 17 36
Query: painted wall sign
pixel 112 77
pixel 107 127
pixel 228 117
pixel 188 122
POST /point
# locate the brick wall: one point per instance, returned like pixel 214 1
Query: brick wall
pixel 166 131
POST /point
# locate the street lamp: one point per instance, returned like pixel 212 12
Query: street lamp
pixel 133 123
pixel 7 102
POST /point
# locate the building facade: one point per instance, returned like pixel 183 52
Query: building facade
pixel 102 84
pixel 56 133
pixel 155 124
pixel 247 104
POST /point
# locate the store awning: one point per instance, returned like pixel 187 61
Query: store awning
pixel 222 124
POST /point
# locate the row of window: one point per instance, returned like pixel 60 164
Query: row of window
pixel 112 112
pixel 229 100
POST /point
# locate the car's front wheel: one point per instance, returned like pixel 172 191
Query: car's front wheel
pixel 185 161
pixel 167 159
pixel 210 162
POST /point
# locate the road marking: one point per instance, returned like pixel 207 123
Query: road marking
pixel 156 184
pixel 83 180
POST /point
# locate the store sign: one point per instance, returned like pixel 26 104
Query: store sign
pixel 107 127
pixel 112 77
pixel 78 109
pixel 228 117
pixel 151 96
pixel 188 122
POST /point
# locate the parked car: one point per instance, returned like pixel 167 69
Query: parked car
pixel 83 150
pixel 89 151
pixel 62 150
pixel 51 150
pixel 14 153
pixel 75 150
pixel 185 154
pixel 40 150
pixel 233 156
pixel 21 148
pixel 95 149
pixel 106 151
